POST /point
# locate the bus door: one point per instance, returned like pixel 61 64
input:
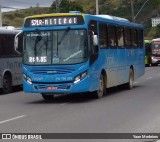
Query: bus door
pixel 94 51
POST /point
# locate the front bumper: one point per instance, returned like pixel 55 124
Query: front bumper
pixel 57 88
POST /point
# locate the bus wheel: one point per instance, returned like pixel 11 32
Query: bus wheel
pixel 131 79
pixel 7 84
pixel 48 97
pixel 102 88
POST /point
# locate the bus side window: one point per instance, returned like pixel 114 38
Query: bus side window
pixel 20 43
pixel 120 37
pixel 1 45
pixel 134 38
pixel 112 36
pixel 103 35
pixel 7 49
pixel 127 37
pixel 140 38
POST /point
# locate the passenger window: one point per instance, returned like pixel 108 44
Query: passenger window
pixel 134 38
pixel 112 36
pixel 120 37
pixel 140 38
pixel 127 37
pixel 103 35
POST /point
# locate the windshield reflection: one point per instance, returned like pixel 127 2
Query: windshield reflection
pixel 55 47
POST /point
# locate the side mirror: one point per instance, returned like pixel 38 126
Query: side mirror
pixel 16 43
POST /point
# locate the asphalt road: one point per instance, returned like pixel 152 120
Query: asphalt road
pixel 120 111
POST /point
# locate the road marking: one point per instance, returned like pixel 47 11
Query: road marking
pixel 148 78
pixel 4 121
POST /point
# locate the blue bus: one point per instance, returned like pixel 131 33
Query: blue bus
pixel 67 53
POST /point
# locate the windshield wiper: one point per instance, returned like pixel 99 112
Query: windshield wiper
pixel 64 35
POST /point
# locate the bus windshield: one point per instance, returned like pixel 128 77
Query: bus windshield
pixel 156 48
pixel 55 47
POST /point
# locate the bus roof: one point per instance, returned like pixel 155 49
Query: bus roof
pixel 117 20
pixel 9 30
pixel 53 14
pixel 113 17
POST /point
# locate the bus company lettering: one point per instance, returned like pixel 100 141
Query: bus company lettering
pixel 52 78
pixel 64 78
pixel 14 64
pixel 36 34
pixel 71 56
pixel 110 60
pixel 54 21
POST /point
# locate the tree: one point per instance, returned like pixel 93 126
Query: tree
pixel 155 2
pixel 153 32
pixel 66 6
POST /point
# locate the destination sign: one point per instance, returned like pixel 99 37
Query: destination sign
pixel 54 21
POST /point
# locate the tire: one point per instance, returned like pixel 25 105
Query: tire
pixel 7 84
pixel 102 88
pixel 48 97
pixel 131 79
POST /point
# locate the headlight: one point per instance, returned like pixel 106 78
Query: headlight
pixel 28 79
pixel 80 77
pixel 25 77
pixel 77 79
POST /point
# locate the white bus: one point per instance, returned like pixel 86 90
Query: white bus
pixel 10 61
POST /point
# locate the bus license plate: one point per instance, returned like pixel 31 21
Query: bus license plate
pixel 52 88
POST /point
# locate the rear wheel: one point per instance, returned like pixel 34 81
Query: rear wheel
pixel 102 88
pixel 7 84
pixel 48 97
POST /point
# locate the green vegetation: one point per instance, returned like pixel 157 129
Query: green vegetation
pixel 15 18
pixel 120 8
pixel 66 6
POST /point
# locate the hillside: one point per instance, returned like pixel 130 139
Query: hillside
pixel 15 18
pixel 120 8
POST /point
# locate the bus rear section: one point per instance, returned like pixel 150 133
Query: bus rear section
pixel 10 61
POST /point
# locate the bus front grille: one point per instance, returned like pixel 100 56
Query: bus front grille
pixel 46 71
